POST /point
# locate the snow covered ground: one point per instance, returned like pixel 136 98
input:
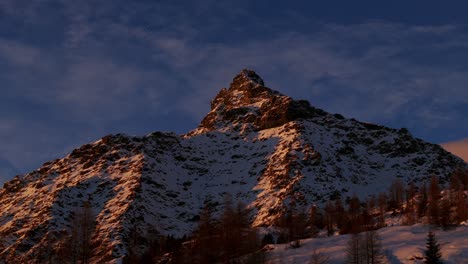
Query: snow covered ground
pixel 400 244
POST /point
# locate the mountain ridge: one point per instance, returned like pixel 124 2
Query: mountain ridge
pixel 256 144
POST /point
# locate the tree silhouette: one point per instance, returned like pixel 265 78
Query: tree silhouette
pixel 373 248
pixel 354 249
pixel 206 248
pixel 434 197
pixel 364 248
pixel 77 247
pixel 432 253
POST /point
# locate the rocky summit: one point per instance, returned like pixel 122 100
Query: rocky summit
pixel 257 145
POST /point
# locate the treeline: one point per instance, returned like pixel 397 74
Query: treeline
pixel 428 203
pixel 366 248
pixel 72 246
pixel 229 238
pixel 226 239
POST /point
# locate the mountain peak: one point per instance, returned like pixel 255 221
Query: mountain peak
pixel 250 106
pixel 247 76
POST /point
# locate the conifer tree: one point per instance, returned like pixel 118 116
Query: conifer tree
pixel 432 253
pixel 461 206
pixel 206 247
pixel 434 197
pixel 329 215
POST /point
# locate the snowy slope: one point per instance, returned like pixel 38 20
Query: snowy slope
pixel 400 245
pixel 263 148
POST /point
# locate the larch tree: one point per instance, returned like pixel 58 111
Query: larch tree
pixel 434 197
pixel 396 194
pixel 206 248
pixel 329 217
pixel 422 202
pixel 373 248
pixel 339 213
pixel 315 221
pixel 364 248
pixel 382 202
pixel 445 216
pixel 77 246
pixel 353 251
pixel 461 206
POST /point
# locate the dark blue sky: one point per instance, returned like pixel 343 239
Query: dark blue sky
pixel 74 71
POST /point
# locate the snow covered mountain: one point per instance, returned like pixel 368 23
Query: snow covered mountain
pixel 256 144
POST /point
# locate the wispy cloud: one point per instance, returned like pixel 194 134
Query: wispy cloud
pixel 377 63
pixel 100 90
pixel 18 54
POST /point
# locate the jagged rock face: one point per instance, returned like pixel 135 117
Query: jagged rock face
pixel 250 106
pixel 261 147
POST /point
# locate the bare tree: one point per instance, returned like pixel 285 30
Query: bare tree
pixel 339 213
pixel 206 247
pixel 434 197
pixel 459 179
pixel 410 212
pixel 225 239
pixel 355 217
pixel 364 248
pixel 353 253
pixel 237 237
pixel 461 206
pixel 133 243
pixel 77 246
pixel 329 215
pixel 445 217
pixel 382 201
pixel 422 203
pixel 373 252
pixel 396 193
pixel 314 220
